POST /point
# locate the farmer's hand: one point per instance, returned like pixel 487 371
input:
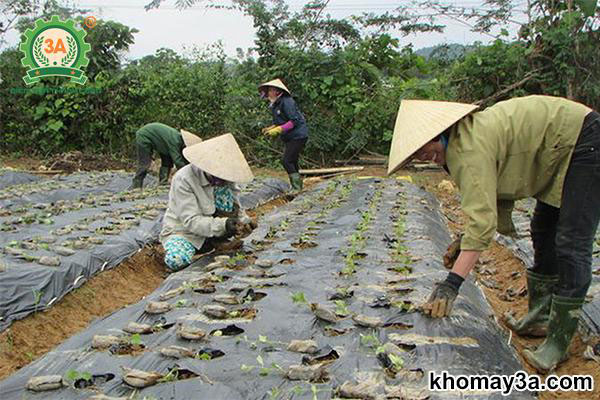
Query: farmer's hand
pixel 233 226
pixel 440 301
pixel 274 131
pixel 452 253
pixel 442 298
pixel 268 128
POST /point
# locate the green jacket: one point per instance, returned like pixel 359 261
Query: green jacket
pixel 515 149
pixel 165 140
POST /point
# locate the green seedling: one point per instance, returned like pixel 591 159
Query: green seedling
pixel 246 368
pixel 204 356
pixel 403 305
pixel 304 238
pixel 341 308
pixel 37 297
pixel 171 376
pixel 236 260
pixel 402 269
pixel 314 390
pixel 180 303
pixel 29 258
pixel 297 390
pixel 397 362
pixel 284 224
pixel 272 232
pixel 74 375
pixel 274 393
pixel 370 341
pixel 135 340
pixel 298 297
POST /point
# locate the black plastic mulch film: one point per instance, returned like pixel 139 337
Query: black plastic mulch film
pixel 347 249
pixel 80 224
pixel 523 248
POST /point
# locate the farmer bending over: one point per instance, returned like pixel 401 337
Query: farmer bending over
pixel 204 200
pixel 536 146
pixel 168 143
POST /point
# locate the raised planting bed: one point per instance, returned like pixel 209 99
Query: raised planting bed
pixel 57 233
pixel 336 319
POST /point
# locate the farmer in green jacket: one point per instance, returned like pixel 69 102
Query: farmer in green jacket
pixel 168 143
pixel 536 146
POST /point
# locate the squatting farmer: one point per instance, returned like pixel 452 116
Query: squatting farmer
pixel 168 143
pixel 536 146
pixel 204 199
pixel 289 124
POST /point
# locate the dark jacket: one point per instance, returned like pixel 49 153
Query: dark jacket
pixel 285 109
pixel 166 141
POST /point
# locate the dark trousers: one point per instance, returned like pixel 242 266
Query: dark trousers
pixel 144 159
pixel 291 153
pixel 563 238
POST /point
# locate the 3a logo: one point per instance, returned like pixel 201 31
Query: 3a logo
pixel 55 48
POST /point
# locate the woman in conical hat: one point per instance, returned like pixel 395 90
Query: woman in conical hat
pixel 204 199
pixel 536 146
pixel 289 124
pixel 168 143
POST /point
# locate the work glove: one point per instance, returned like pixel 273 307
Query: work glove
pixel 232 226
pixel 442 297
pixel 268 128
pixel 452 253
pixel 274 131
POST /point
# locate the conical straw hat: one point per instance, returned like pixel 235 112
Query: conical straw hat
pixel 418 122
pixel 189 138
pixel 221 157
pixel 275 83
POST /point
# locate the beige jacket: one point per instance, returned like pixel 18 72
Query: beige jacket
pixel 515 149
pixel 191 208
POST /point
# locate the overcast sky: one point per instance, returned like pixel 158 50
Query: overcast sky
pixel 197 26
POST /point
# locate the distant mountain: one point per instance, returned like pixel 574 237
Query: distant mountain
pixel 450 51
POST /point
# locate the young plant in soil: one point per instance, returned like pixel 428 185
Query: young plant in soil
pixel 358 238
pixel 341 308
pixel 177 374
pixel 298 297
pixel 263 371
pixel 72 376
pixel 400 253
pixel 370 341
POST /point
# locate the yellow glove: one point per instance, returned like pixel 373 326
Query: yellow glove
pixel 265 130
pixel 274 131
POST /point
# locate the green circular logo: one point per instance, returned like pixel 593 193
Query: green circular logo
pixel 55 48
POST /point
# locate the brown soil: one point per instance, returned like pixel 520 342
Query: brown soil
pixel 78 161
pixel 103 294
pixel 509 273
pixel 69 162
